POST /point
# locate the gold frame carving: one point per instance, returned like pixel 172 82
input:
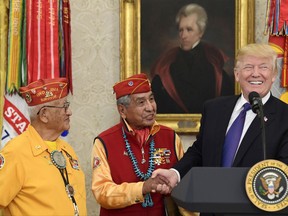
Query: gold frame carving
pixel 130 61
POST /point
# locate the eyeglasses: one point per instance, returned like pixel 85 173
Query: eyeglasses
pixel 65 106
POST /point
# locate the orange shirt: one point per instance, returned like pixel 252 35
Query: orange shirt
pixel 32 185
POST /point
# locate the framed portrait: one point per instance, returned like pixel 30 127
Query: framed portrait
pixel 148 30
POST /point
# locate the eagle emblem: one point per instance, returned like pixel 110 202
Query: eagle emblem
pixel 270 185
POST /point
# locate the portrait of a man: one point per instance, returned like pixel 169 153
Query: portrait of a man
pixel 187 49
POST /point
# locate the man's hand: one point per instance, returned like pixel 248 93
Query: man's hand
pixel 169 175
pixel 150 185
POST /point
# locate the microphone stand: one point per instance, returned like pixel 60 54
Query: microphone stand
pixel 260 114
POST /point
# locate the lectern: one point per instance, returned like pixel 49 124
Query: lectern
pixel 217 190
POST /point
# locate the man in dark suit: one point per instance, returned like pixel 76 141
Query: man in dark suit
pixel 255 70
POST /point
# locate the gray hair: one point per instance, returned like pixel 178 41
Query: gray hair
pixel 190 9
pixel 124 100
pixel 33 110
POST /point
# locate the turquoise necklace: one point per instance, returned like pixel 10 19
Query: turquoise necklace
pixel 143 176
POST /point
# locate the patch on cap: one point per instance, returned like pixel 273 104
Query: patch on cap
pixel 44 90
pixel 138 83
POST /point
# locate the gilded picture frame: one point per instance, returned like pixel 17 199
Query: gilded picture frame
pixel 130 52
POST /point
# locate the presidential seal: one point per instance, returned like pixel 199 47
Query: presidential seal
pixel 58 159
pixel 267 185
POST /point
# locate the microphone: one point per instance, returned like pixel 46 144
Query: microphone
pixel 256 103
pixel 257 107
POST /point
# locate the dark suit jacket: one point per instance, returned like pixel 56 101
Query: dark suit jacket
pixel 207 149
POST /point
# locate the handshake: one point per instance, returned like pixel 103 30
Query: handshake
pixel 162 181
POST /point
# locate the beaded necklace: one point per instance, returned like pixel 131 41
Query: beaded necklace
pixel 143 176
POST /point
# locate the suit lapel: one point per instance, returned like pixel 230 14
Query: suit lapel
pixel 223 115
pixel 255 130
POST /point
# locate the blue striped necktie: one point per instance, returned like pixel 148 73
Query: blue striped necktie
pixel 233 137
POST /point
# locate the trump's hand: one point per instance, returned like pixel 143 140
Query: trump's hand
pixel 170 175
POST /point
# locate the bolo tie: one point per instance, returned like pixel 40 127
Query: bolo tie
pixel 59 161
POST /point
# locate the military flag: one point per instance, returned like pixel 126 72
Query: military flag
pixel 35 43
pixel 277 28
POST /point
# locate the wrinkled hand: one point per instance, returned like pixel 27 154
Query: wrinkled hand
pixel 150 185
pixel 169 175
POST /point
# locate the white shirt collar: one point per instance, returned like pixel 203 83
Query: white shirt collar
pixel 266 97
pixel 241 101
pixel 195 44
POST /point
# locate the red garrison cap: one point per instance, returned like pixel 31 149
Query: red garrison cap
pixel 138 83
pixel 44 90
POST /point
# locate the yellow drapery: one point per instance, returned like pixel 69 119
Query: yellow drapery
pixel 4 8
